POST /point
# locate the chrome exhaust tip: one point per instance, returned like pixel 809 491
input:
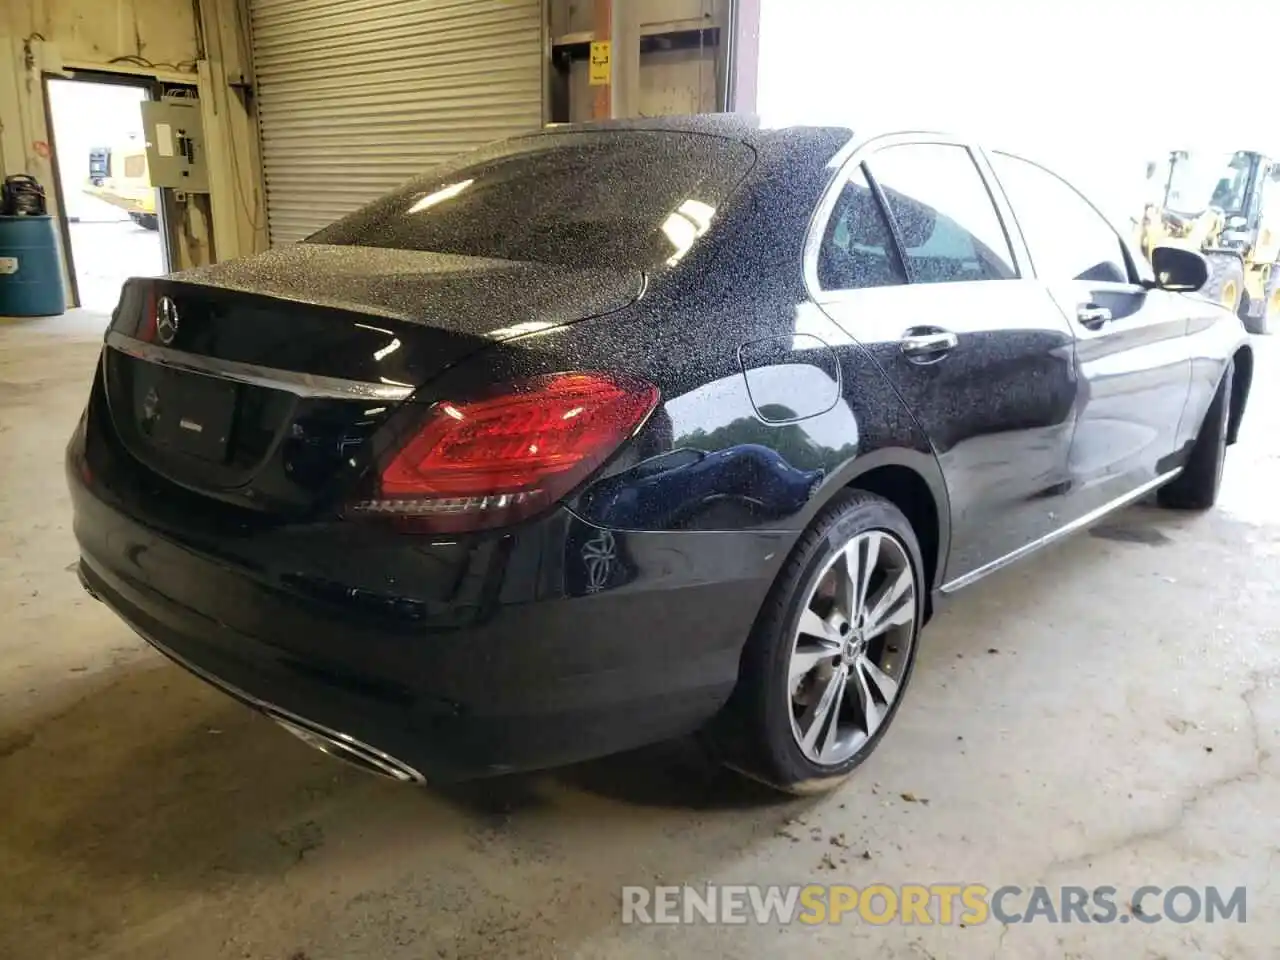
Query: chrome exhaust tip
pixel 84 581
pixel 348 749
pixel 334 743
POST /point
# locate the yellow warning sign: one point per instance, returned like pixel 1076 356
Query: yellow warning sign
pixel 600 52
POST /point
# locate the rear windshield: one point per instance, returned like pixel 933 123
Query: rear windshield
pixel 625 199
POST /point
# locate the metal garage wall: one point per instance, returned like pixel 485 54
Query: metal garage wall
pixel 357 96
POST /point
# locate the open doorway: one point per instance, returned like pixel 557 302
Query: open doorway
pixel 113 218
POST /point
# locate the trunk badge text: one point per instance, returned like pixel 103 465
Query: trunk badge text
pixel 166 320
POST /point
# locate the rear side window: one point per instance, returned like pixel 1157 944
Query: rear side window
pixel 1067 238
pixel 616 199
pixel 858 248
pixel 949 227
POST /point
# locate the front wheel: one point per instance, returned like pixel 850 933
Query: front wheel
pixel 828 662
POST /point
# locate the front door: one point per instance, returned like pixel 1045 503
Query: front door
pixel 1131 349
pixel 916 265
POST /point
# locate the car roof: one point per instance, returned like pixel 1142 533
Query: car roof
pixel 749 128
pixel 759 131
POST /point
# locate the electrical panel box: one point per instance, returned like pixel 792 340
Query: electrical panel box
pixel 175 144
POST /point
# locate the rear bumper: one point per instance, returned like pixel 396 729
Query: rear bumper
pixel 510 653
pixel 334 742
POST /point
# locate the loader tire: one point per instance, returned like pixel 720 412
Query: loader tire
pixel 1225 285
pixel 1268 316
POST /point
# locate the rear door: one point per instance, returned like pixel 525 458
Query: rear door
pixel 1131 345
pixel 914 262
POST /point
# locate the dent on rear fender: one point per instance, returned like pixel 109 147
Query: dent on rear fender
pixel 722 451
pixel 707 460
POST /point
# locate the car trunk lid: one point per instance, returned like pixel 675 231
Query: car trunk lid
pixel 263 382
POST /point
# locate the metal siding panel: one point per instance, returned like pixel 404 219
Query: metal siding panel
pixel 357 96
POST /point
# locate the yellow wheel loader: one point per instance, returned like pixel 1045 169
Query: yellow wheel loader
pixel 1227 206
pixel 119 176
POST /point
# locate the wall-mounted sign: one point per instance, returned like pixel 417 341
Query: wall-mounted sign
pixel 600 53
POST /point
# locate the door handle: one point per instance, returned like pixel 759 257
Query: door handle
pixel 1092 316
pixel 927 344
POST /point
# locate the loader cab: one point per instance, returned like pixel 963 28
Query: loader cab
pixel 1264 224
pixel 1212 200
pixel 1193 182
pixel 1243 216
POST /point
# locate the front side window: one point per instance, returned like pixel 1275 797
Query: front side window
pixel 944 215
pixel 1067 238
pixel 857 248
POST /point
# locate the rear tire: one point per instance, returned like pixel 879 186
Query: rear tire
pixel 1196 488
pixel 829 660
pixel 1225 285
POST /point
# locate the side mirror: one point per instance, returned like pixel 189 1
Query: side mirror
pixel 1151 169
pixel 1183 271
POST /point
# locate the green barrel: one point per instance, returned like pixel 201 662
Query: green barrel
pixel 30 268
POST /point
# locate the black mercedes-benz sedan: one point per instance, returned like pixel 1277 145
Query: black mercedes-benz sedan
pixel 612 433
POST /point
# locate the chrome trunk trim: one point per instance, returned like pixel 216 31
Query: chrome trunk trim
pixel 290 381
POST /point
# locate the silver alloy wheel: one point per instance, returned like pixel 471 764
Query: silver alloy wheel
pixel 852 647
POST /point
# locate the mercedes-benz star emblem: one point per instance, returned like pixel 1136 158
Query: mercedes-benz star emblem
pixel 166 319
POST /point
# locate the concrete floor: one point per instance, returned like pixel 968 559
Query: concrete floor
pixel 1106 713
pixel 108 252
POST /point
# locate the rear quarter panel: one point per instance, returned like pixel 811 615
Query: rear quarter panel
pixel 745 438
pixel 706 459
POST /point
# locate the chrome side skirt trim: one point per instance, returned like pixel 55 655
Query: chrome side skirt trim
pixel 1065 531
pixel 290 381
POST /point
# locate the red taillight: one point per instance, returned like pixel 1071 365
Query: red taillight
pixel 499 459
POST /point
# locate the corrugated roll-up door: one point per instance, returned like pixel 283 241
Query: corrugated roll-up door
pixel 357 96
